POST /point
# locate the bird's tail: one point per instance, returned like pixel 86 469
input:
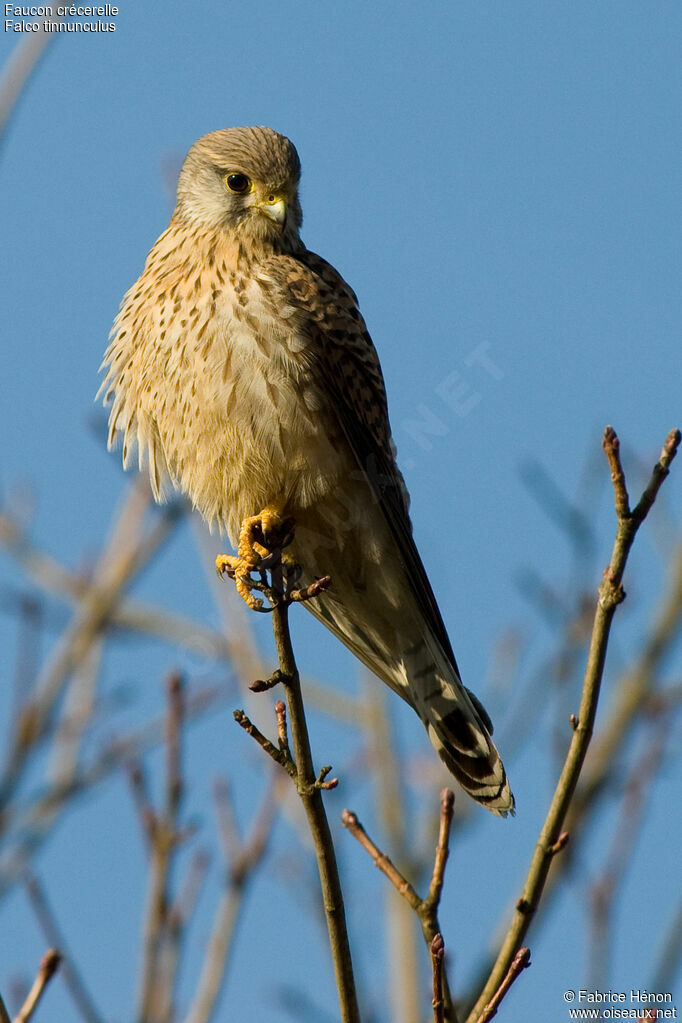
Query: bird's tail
pixel 426 678
pixel 458 726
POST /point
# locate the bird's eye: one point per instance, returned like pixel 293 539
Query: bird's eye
pixel 237 182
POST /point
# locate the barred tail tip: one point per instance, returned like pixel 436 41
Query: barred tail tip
pixel 471 757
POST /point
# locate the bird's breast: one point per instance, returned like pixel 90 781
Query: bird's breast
pixel 241 417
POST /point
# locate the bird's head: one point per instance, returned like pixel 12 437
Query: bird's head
pixel 243 180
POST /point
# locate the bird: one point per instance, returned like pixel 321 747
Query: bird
pixel 240 372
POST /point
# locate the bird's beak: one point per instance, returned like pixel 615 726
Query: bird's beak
pixel 275 207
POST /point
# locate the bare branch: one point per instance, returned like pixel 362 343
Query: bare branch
pixel 519 963
pixel 311 799
pixel 161 929
pixel 636 693
pixel 611 446
pixel 49 965
pixel 242 859
pixel 48 924
pixel 630 821
pixel 381 860
pixel 437 954
pixel 308 783
pixel 277 755
pixel 143 803
pixel 402 953
pixel 660 471
pixel 447 805
pixel 129 550
pixel 670 953
pixel 227 824
pixel 18 69
pixel 131 614
pixel 426 909
pixel 402 986
pixel 183 907
pixel 175 720
pixel 32 823
pixel 610 595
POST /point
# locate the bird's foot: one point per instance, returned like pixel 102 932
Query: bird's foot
pixel 262 539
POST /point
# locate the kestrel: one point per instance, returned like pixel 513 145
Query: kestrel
pixel 241 370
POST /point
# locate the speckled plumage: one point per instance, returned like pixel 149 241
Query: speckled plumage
pixel 241 371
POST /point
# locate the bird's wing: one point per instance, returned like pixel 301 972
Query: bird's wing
pixel 345 358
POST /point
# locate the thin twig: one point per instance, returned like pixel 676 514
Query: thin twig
pixel 33 822
pixel 519 963
pixel 604 890
pixel 402 987
pixel 31 612
pixel 242 860
pixel 437 955
pixel 21 64
pixel 636 692
pixel 308 783
pixel 185 903
pixel 610 595
pixel 277 755
pixel 634 689
pixel 669 954
pixel 383 862
pixel 161 931
pixel 143 803
pixel 128 551
pixel 48 924
pixel 427 908
pixel 227 825
pixel 311 798
pixel 611 446
pixel 49 965
pixel 130 614
pixel 447 805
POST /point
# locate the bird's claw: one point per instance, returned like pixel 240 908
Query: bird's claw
pixel 240 570
pixel 262 538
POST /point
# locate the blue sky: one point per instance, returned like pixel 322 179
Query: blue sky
pixel 493 180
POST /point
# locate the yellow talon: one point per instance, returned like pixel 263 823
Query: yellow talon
pixel 259 537
pixel 224 564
